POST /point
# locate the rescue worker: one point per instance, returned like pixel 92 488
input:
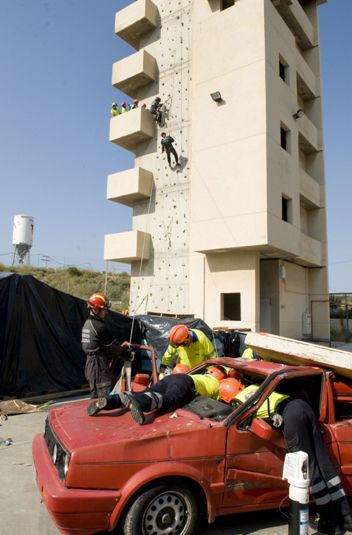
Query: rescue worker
pixel 302 433
pixel 172 392
pixel 249 354
pixel 167 146
pixel 114 110
pixel 155 109
pixel 134 104
pixel 186 346
pixel 124 107
pixel 99 345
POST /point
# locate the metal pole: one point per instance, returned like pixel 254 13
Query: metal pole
pixel 296 473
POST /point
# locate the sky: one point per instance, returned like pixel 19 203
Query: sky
pixel 55 77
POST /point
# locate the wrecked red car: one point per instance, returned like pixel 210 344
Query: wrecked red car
pixel 208 458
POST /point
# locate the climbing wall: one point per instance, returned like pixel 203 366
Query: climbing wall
pixel 160 284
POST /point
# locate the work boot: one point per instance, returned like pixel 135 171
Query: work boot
pixel 97 406
pixel 129 401
pixel 346 524
pixel 107 403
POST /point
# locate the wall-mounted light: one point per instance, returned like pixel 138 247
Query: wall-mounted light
pixel 216 96
pixel 282 272
pixel 299 113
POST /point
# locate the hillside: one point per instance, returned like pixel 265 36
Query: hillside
pixel 80 282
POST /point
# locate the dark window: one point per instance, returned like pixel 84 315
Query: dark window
pixel 283 138
pixel 282 71
pixel 231 305
pixel 226 3
pixel 284 209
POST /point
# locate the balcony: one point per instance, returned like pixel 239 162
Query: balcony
pixel 307 83
pixel 134 72
pixel 127 247
pixel 130 186
pixel 310 189
pixel 131 128
pixel 135 21
pixel 298 22
pixel 309 137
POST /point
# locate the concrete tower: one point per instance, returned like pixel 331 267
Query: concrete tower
pixel 237 234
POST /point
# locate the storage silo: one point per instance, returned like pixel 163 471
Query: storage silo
pixel 22 237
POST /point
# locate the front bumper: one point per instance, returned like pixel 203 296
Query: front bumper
pixel 74 511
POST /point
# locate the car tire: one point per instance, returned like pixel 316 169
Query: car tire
pixel 163 510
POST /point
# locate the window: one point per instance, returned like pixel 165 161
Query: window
pixel 231 307
pixel 283 69
pixel 283 138
pixel 226 3
pixel 286 209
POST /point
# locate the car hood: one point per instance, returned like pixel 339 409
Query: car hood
pixel 115 431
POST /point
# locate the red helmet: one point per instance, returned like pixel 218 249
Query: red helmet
pixel 229 388
pixel 123 103
pixel 99 300
pixel 180 368
pixel 217 371
pixel 234 374
pixel 178 335
pixel 135 100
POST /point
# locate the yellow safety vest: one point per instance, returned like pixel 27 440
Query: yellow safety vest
pixel 114 112
pixel 206 385
pixel 191 355
pixel 270 405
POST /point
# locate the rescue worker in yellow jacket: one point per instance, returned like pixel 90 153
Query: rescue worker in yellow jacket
pixel 186 346
pixel 114 110
pixel 172 392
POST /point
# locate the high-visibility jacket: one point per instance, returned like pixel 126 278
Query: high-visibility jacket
pixel 199 350
pixel 248 353
pixel 124 109
pixel 114 112
pixel 206 385
pixel 270 405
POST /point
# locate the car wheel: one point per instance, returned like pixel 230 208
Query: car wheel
pixel 163 510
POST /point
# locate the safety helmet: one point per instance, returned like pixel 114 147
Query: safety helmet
pixel 229 388
pixel 99 300
pixel 113 104
pixel 217 371
pixel 123 103
pixel 135 100
pixel 178 335
pixel 180 368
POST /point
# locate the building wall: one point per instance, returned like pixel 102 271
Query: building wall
pixel 216 224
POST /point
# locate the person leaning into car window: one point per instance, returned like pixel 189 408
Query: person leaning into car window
pixel 186 346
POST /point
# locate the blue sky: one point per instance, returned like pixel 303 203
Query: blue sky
pixel 55 78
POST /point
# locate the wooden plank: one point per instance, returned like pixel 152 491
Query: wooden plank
pixel 296 352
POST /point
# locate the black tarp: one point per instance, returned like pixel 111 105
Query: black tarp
pixel 40 337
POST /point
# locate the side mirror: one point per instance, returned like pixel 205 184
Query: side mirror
pixel 261 429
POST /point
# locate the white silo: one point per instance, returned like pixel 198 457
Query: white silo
pixel 22 237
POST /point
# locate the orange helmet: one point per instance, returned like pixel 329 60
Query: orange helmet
pixel 178 335
pixel 217 371
pixel 229 388
pixel 180 368
pixel 99 300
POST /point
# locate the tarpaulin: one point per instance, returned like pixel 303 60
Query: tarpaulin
pixel 40 337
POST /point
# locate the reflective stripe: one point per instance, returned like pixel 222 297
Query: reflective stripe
pixel 334 481
pixel 318 487
pixel 337 495
pixel 323 500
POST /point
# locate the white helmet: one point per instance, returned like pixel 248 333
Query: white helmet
pixel 114 105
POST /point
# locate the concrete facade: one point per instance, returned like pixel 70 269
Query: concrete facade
pixel 237 234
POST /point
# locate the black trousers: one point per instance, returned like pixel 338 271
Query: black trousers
pixel 170 150
pixel 302 433
pixel 98 375
pixel 176 390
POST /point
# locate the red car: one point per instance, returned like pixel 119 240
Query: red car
pixel 106 472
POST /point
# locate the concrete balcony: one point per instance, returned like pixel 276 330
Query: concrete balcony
pixel 309 137
pixel 308 85
pixel 134 72
pixel 131 128
pixel 136 20
pixel 298 22
pixel 129 186
pixel 310 251
pixel 310 189
pixel 127 247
